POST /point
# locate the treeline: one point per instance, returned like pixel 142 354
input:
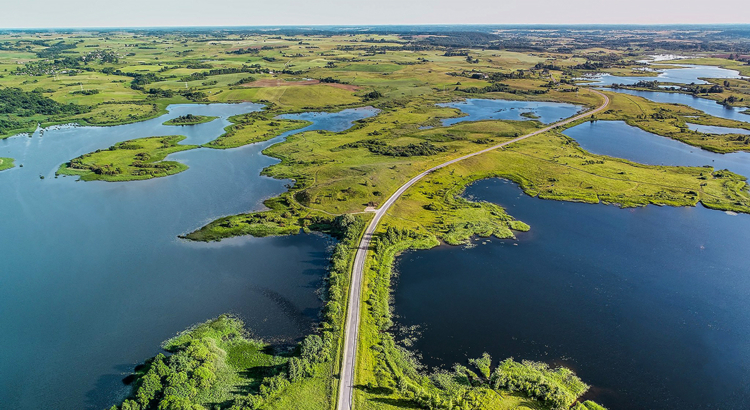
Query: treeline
pixel 499 88
pixel 252 69
pixel 22 103
pixel 379 147
pixel 52 50
pixel 492 76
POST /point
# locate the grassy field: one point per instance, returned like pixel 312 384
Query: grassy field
pixel 6 163
pixel 129 160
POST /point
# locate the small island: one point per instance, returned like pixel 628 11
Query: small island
pixel 129 160
pixel 6 163
pixel 190 119
pixel 746 111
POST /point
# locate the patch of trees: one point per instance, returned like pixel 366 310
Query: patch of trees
pixel 199 66
pixel 86 92
pixel 411 150
pixel 160 93
pixel 241 51
pixel 53 50
pixel 26 104
pixel 500 87
pixel 372 95
pixel 330 80
pixel 557 388
pixel 187 119
pixel 252 69
pixel 733 99
pixel 456 53
pixel 243 80
pixel 194 95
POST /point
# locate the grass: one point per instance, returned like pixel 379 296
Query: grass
pixel 211 364
pixel 254 127
pixel 190 120
pixel 6 163
pixel 129 160
pixel 291 97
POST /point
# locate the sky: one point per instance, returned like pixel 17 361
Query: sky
pixel 160 13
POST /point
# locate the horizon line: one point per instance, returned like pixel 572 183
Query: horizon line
pixel 319 25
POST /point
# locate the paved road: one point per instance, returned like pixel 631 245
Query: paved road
pixel 351 332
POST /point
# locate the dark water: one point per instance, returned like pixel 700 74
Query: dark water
pixel 618 139
pixel 648 305
pixel 479 109
pixel 710 107
pixel 93 277
pixel 685 75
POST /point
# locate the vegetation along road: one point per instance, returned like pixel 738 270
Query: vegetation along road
pixel 351 332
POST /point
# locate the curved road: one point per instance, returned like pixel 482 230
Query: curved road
pixel 351 331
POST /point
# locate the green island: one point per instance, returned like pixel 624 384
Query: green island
pixel 6 163
pixel 336 176
pixel 131 160
pixel 253 127
pixel 190 119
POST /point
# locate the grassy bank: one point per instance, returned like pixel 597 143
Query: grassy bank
pixel 6 163
pixel 129 160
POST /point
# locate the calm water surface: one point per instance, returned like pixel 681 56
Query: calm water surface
pixel 618 139
pixel 647 305
pixel 712 129
pixel 684 74
pixel 478 109
pixel 93 277
pixel 710 107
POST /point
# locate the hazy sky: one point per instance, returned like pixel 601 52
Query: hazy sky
pixel 149 13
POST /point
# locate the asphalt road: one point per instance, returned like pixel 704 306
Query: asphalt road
pixel 351 331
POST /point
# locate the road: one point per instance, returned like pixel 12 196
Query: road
pixel 351 331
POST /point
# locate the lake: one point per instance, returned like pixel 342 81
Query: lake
pixel 477 109
pixel 618 139
pixel 681 74
pixel 710 107
pixel 712 129
pixel 94 277
pixel 648 305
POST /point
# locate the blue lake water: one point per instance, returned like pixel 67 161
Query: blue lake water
pixel 647 305
pixel 710 107
pixel 686 74
pixel 712 129
pixel 93 277
pixel 478 109
pixel 618 139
